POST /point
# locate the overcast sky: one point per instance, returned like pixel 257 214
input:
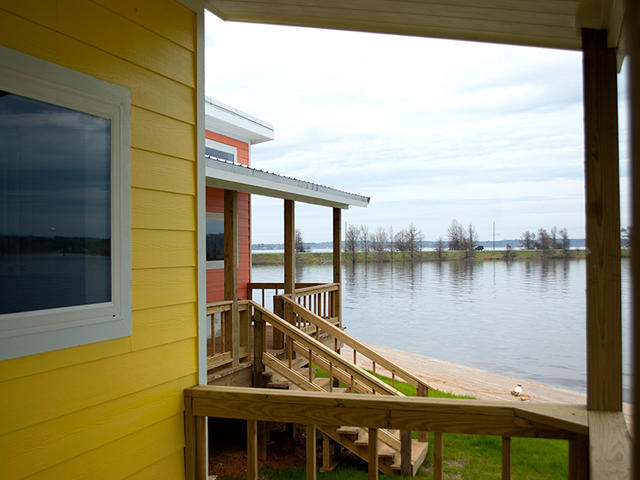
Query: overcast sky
pixel 431 130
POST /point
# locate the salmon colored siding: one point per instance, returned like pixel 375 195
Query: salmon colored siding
pixel 215 277
pixel 243 148
pixel 114 409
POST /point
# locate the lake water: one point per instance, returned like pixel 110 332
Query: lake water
pixel 525 319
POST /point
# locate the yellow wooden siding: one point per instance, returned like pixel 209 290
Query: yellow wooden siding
pixel 157 326
pixel 43 445
pixel 173 23
pixel 114 409
pixel 149 90
pixel 169 467
pixel 159 172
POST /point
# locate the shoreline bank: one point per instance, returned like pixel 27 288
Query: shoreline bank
pixel 481 384
pixel 326 258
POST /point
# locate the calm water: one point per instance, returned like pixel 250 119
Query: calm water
pixel 525 319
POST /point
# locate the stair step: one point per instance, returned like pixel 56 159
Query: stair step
pixel 351 432
pixel 278 385
pixel 418 454
pixel 385 452
pixel 322 382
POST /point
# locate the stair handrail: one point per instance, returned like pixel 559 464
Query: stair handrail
pixel 317 347
pixel 355 344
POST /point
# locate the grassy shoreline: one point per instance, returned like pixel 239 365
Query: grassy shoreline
pixel 324 258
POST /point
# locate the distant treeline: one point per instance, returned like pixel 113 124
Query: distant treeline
pixel 17 244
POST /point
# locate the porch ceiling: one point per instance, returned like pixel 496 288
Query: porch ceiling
pixel 233 176
pixel 542 23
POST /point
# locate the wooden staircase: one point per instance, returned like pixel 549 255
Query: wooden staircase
pixel 293 368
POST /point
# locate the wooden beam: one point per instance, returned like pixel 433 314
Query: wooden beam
pixel 633 17
pixel 609 446
pixel 252 450
pixel 384 411
pixel 189 440
pixel 289 247
pixel 579 459
pixel 337 259
pixel 231 266
pixel 202 471
pixel 405 453
pixel 373 454
pixel 311 452
pixel 602 197
pixel 506 458
pixel 438 448
pixel 258 349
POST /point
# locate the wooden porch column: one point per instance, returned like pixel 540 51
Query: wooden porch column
pixel 602 198
pixel 231 265
pixel 633 16
pixel 337 258
pixel 289 248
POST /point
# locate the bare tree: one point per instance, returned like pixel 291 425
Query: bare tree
pixel 351 237
pixel 415 238
pixel 456 236
pixel 553 234
pixel 365 241
pixel 544 240
pixel 391 244
pixel 527 240
pixel 440 248
pixel 299 245
pixel 470 240
pixel 401 241
pixel 565 243
pixel 379 242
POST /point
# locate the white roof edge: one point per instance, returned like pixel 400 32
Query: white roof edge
pixel 232 176
pixel 224 119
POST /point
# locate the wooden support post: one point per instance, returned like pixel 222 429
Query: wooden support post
pixel 311 452
pixel 252 450
pixel 372 458
pixel 578 459
pixel 231 266
pixel 202 470
pixel 633 17
pixel 326 453
pixel 289 248
pixel 278 309
pixel 437 455
pixel 604 332
pixel 258 349
pixel 189 441
pixel 337 262
pixel 405 453
pixel 506 458
pixel 423 391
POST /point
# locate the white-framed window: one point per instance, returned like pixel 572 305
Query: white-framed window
pixel 215 240
pixel 220 151
pixel 65 268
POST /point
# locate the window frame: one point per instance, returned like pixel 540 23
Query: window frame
pixel 37 331
pixel 223 147
pixel 214 264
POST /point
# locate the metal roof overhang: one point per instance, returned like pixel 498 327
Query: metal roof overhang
pixel 232 176
pixel 540 23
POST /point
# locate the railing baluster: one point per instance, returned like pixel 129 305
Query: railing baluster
pixel 423 391
pixel 393 379
pixel 405 453
pixel 310 365
pixel 373 454
pixel 213 334
pixel 263 291
pixel 252 450
pixel 437 455
pixel 330 376
pixel 311 452
pixel 374 367
pixel 506 458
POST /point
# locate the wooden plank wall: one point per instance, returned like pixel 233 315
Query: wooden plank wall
pixel 114 409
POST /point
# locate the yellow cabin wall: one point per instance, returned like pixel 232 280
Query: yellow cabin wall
pixel 114 409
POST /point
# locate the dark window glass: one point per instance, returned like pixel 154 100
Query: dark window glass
pixel 215 240
pixel 55 207
pixel 214 152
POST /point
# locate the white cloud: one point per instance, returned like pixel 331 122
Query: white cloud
pixel 430 129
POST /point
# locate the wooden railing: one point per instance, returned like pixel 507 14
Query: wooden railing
pixel 226 333
pixel 323 299
pixel 308 317
pixel 505 419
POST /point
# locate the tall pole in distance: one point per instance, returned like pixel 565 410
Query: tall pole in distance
pixel 494 235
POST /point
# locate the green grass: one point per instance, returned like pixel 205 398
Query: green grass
pixel 472 457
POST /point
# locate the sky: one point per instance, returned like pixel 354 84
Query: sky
pixel 432 130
